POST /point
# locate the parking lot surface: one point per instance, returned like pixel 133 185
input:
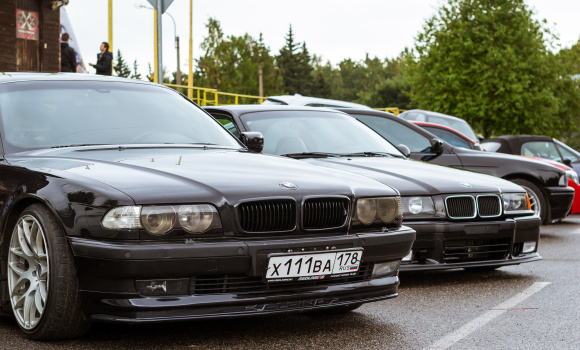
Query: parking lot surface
pixel 531 306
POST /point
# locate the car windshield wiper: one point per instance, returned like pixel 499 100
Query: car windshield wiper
pixel 372 154
pixel 311 155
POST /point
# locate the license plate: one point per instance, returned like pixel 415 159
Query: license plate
pixel 313 266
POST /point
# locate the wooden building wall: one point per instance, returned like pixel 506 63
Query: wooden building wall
pixel 29 55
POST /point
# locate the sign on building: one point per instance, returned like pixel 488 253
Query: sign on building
pixel 26 24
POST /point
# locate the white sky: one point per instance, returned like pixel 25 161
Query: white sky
pixel 333 29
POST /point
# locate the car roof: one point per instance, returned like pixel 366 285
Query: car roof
pixel 299 100
pixel 512 143
pixel 10 77
pixel 433 114
pixel 444 128
pixel 243 109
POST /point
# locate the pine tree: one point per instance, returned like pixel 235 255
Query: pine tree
pixel 291 65
pixel 136 74
pixel 121 67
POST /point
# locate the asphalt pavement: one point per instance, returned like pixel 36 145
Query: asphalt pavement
pixel 528 306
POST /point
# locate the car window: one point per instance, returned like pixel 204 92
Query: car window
pixel 460 125
pixel 396 133
pixel 491 146
pixel 541 149
pixel 568 152
pixel 449 137
pixel 305 131
pixel 55 114
pixel 228 124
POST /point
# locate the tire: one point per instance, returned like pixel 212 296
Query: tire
pixel 537 200
pixel 42 282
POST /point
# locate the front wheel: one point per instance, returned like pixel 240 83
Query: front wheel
pixel 537 200
pixel 42 283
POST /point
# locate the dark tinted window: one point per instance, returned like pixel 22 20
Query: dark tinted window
pixel 449 137
pixel 397 133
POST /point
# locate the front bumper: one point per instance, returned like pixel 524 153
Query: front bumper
pixel 448 245
pixel 108 273
pixel 560 199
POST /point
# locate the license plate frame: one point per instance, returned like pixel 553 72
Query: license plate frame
pixel 296 270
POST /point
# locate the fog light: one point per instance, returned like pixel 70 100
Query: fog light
pixel 529 247
pixel 408 257
pixel 385 268
pixel 163 287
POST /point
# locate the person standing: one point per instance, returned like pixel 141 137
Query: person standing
pixel 68 56
pixel 104 64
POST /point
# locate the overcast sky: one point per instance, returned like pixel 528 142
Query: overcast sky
pixel 333 29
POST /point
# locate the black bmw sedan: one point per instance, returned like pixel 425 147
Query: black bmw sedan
pixel 463 219
pixel 122 201
pixel 546 185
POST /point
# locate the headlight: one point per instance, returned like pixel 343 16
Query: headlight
pixel 572 175
pixel 563 180
pixel 159 220
pixel 418 206
pixel 378 210
pixel 515 202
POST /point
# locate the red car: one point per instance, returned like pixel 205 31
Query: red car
pixel 457 139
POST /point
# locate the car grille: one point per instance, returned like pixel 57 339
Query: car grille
pixel 461 250
pixel 267 216
pixel 488 206
pixel 242 284
pixel 324 213
pixel 460 207
pixel 463 207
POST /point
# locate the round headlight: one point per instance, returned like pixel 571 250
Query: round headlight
pixel 366 210
pixel 195 218
pixel 415 205
pixel 387 209
pixel 158 220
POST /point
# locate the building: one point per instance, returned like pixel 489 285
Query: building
pixel 30 35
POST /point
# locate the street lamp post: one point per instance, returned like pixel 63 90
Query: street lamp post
pixel 178 74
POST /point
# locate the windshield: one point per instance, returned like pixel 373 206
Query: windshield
pixel 291 132
pixel 43 114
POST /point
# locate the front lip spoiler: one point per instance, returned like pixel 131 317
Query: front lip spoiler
pixel 437 266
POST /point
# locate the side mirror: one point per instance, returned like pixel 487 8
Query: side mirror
pixel 253 140
pixel 567 161
pixel 437 146
pixel 404 149
pixel 480 137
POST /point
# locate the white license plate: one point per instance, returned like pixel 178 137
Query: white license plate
pixel 313 266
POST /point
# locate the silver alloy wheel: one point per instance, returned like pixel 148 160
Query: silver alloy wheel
pixel 28 273
pixel 534 200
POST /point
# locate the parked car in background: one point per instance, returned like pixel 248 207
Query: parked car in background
pixel 547 186
pixel 443 119
pixel 450 135
pixel 463 219
pixel 535 146
pixel 546 149
pixel 307 101
pixel 123 201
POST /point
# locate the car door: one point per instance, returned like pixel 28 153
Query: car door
pixel 421 146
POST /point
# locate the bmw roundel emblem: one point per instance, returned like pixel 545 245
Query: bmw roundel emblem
pixel 288 185
pixel 465 184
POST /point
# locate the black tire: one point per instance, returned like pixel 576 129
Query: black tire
pixel 537 195
pixel 62 316
pixel 337 310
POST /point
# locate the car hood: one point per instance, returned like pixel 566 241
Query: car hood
pixel 415 178
pixel 181 175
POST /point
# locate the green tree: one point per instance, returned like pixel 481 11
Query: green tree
pixel 294 66
pixel 488 62
pixel 121 67
pixel 136 74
